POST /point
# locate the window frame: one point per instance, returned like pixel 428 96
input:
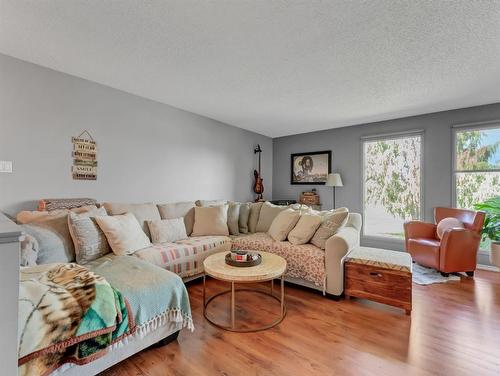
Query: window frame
pixel 391 136
pixel 477 126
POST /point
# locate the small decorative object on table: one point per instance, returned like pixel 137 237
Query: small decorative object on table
pixel 241 258
pixel 380 275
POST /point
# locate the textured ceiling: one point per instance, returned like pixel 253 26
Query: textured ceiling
pixel 273 67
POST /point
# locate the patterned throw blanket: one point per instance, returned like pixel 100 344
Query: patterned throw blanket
pixel 67 314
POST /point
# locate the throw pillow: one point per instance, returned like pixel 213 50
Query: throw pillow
pixel 305 229
pixel 167 230
pixel 331 223
pixel 233 216
pixel 52 233
pixel 143 212
pixel 267 214
pixel 284 222
pixel 124 233
pixel 29 251
pixel 446 224
pixel 177 210
pixel 49 245
pixel 89 240
pixel 210 221
pixel 253 216
pixel 243 220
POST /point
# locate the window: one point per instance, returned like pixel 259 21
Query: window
pixel 392 181
pixel 476 166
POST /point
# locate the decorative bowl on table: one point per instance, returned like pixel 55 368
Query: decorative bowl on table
pixel 242 258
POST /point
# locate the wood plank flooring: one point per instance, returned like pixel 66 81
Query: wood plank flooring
pixel 454 329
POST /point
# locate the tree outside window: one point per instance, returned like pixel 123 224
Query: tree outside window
pixel 392 184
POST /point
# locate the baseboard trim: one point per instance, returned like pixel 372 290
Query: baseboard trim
pixel 490 268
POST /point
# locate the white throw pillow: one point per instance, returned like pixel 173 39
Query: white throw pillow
pixel 305 229
pixel 167 230
pixel 124 233
pixel 210 221
pixel 447 223
pixel 331 223
pixel 284 222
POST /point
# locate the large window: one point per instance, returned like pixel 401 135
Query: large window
pixel 476 166
pixel 392 181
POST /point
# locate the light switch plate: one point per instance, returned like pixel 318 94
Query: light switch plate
pixel 6 166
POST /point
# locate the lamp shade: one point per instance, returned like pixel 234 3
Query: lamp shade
pixel 334 180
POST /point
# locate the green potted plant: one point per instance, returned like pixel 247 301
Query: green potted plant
pixel 491 227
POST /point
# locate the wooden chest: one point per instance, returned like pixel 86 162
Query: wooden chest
pixel 371 274
pixel 309 199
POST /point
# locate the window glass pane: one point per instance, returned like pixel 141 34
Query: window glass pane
pixel 475 187
pixel 392 180
pixel 478 149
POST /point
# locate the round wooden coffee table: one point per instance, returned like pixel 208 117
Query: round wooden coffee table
pixel 272 267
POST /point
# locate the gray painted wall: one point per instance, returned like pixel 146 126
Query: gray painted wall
pixel 345 144
pixel 147 151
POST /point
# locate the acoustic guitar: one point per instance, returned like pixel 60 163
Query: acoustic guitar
pixel 258 187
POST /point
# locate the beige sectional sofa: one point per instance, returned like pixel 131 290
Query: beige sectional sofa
pixel 308 265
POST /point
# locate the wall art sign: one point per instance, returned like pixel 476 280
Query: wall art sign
pixel 310 168
pixel 84 157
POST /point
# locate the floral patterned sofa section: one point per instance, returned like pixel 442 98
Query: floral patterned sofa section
pixel 184 257
pixel 304 261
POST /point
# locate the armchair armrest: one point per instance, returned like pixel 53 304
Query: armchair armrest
pixel 336 249
pixel 459 248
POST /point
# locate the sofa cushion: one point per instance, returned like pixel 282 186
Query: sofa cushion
pixel 89 240
pixel 52 233
pixel 167 230
pixel 184 257
pixel 233 216
pixel 267 214
pixel 304 229
pixel 183 209
pixel 48 244
pixel 259 241
pixel 330 224
pixel 243 219
pixel 210 221
pixel 283 224
pixel 304 261
pixel 253 216
pixel 123 232
pixel 143 212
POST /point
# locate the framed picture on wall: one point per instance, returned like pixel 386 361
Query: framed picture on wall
pixel 310 168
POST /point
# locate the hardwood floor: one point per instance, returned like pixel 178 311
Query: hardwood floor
pixel 454 329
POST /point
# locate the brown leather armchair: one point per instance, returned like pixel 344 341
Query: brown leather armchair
pixel 457 249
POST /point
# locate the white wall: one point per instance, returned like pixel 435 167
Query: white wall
pixel 147 151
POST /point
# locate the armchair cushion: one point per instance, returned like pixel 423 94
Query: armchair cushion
pixel 424 251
